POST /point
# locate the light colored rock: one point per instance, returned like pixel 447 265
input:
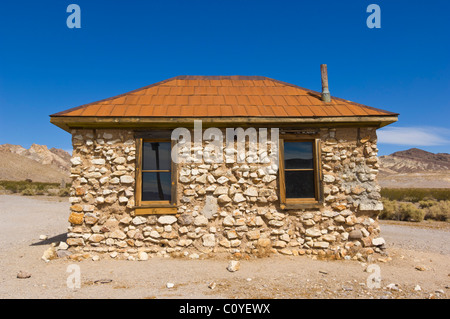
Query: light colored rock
pixel 209 240
pixel 251 191
pixel 75 161
pixel 393 286
pixel 62 246
pixel 201 179
pixel 120 160
pixel 285 251
pixel 154 234
pixel 378 241
pixel 98 161
pixel 114 181
pixel 88 208
pixel 222 180
pixel 139 220
pixel 329 178
pixel 238 198
pixel 75 241
pixel 126 179
pixel 329 238
pixel 93 175
pixel 351 220
pixel 117 234
pixel 313 232
pixel 49 254
pixel 96 238
pixel 253 234
pixel 224 199
pixel 321 244
pixel 221 190
pixel 170 285
pixel 167 219
pixel 142 256
pixel 370 206
pixel 184 179
pixel 228 221
pixel 114 254
pixel 200 221
pixel 23 275
pixel 279 244
pixel 340 219
pixel 211 207
pixel 91 218
pixel 233 265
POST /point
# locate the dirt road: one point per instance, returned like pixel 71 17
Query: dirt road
pixel 418 256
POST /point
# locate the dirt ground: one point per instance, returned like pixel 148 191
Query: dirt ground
pixel 418 255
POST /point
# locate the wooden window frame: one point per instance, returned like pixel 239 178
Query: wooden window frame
pixel 154 207
pixel 301 203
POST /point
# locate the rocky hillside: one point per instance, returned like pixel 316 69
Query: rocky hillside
pixel 415 168
pixel 415 160
pixel 37 163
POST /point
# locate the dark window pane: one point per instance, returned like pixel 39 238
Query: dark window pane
pixel 298 155
pixel 156 186
pixel 299 184
pixel 156 156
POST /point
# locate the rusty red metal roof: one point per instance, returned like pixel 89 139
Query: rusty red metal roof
pixel 222 96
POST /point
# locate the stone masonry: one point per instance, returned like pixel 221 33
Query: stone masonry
pixel 228 208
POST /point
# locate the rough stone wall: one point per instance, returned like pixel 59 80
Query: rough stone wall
pixel 227 207
pixel 103 179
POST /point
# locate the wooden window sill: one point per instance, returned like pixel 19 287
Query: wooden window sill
pixel 155 209
pixel 301 204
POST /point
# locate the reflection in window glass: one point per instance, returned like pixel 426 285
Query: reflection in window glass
pixel 298 155
pixel 156 156
pixel 156 186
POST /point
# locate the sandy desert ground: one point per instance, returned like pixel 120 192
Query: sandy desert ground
pixel 418 256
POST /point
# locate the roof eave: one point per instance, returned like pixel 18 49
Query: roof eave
pixel 70 122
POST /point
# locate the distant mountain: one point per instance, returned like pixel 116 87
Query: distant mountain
pixel 415 168
pixel 37 163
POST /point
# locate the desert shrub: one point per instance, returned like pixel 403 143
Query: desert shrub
pixel 411 212
pixel 64 192
pixel 32 188
pixel 389 209
pixel 415 194
pixel 427 203
pixel 401 211
pixel 27 192
pixel 439 211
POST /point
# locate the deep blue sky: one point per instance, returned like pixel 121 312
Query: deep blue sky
pixel 45 67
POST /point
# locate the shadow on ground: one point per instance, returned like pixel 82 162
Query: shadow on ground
pixel 49 241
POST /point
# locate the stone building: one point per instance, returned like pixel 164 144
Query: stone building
pixel 160 170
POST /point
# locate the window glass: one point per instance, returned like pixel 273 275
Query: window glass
pixel 156 156
pixel 156 186
pixel 298 155
pixel 299 184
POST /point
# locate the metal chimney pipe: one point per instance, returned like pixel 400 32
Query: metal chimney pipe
pixel 326 97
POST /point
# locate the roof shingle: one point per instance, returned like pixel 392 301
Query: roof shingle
pixel 221 96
